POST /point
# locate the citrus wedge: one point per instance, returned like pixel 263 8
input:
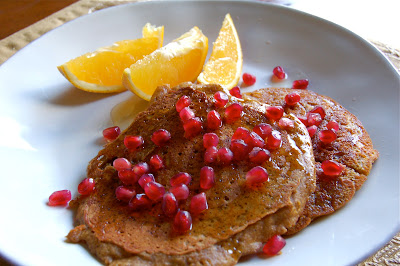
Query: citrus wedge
pixel 179 61
pixel 101 71
pixel 225 64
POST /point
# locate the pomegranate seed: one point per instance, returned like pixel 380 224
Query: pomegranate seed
pixel 233 112
pixel 156 163
pixel 182 222
pixel 274 245
pixel 140 169
pixel 314 119
pixel 121 164
pixel 257 175
pixel 210 155
pixel 127 176
pixel 155 191
pixel 248 79
pixel 139 202
pixel 207 178
pixel 210 140
pixel 319 110
pixel 286 123
pixel 300 84
pixel 192 127
pixel 333 125
pixel 235 91
pixel 111 133
pixel 169 204
pixel 185 114
pixel 161 137
pixel 124 194
pixel 241 133
pixel 259 155
pixel 181 191
pixel 86 186
pixel 327 136
pixel 279 72
pixel 312 130
pixel 292 98
pixel 331 168
pixel 303 120
pixel 180 178
pixel 239 149
pixel 144 179
pixel 263 130
pixel 133 142
pixel 254 140
pixel 224 156
pixel 220 99
pixel 274 140
pixel 183 102
pixel 214 120
pixel 198 203
pixel 59 198
pixel 274 112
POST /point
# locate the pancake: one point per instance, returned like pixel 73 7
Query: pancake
pixel 353 148
pixel 239 219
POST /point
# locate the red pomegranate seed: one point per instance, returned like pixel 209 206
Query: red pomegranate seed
pixel 259 155
pixel 274 245
pixel 241 133
pixel 239 149
pixel 127 176
pixel 185 114
pixel 233 112
pixel 140 169
pixel 180 178
pixel 254 140
pixel 181 191
pixel 303 120
pixel 263 130
pixel 286 123
pixel 210 155
pixel 220 99
pixel 274 112
pixel 86 186
pixel 139 202
pixel 161 137
pixel 300 84
pixel 327 136
pixel 279 72
pixel 314 119
pixel 257 175
pixel 312 130
pixel 214 120
pixel 133 142
pixel 124 194
pixel 274 140
pixel 183 102
pixel 235 91
pixel 111 133
pixel 331 168
pixel 59 198
pixel 292 98
pixel 198 203
pixel 333 125
pixel 144 179
pixel 155 191
pixel 224 156
pixel 319 110
pixel 156 163
pixel 249 79
pixel 121 164
pixel 192 127
pixel 207 178
pixel 182 222
pixel 210 140
pixel 169 204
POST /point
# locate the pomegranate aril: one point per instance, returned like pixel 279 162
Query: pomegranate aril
pixel 279 72
pixel 331 168
pixel 274 140
pixel 235 91
pixel 183 102
pixel 303 120
pixel 214 120
pixel 127 176
pixel 286 123
pixel 300 84
pixel 121 164
pixel 133 142
pixel 319 110
pixel 274 245
pixel 333 125
pixel 185 114
pixel 181 191
pixel 263 130
pixel 161 137
pixel 192 127
pixel 257 175
pixel 111 133
pixel 198 203
pixel 254 140
pixel 124 194
pixel 59 198
pixel 86 186
pixel 259 155
pixel 156 163
pixel 241 133
pixel 207 177
pixel 312 130
pixel 210 140
pixel 210 155
pixel 169 204
pixel 180 178
pixel 155 191
pixel 248 79
pixel 224 156
pixel 220 99
pixel 274 112
pixel 140 169
pixel 327 136
pixel 144 179
pixel 239 149
pixel 233 112
pixel 314 119
pixel 139 202
pixel 182 222
pixel 292 98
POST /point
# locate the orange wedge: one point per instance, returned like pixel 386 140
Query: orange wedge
pixel 225 64
pixel 179 61
pixel 101 71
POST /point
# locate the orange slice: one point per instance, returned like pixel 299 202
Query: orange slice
pixel 179 61
pixel 101 71
pixel 225 64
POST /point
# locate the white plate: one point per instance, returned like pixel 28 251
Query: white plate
pixel 51 130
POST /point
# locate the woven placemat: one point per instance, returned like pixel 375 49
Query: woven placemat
pixel 388 255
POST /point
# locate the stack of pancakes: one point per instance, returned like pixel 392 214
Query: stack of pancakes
pixel 239 219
